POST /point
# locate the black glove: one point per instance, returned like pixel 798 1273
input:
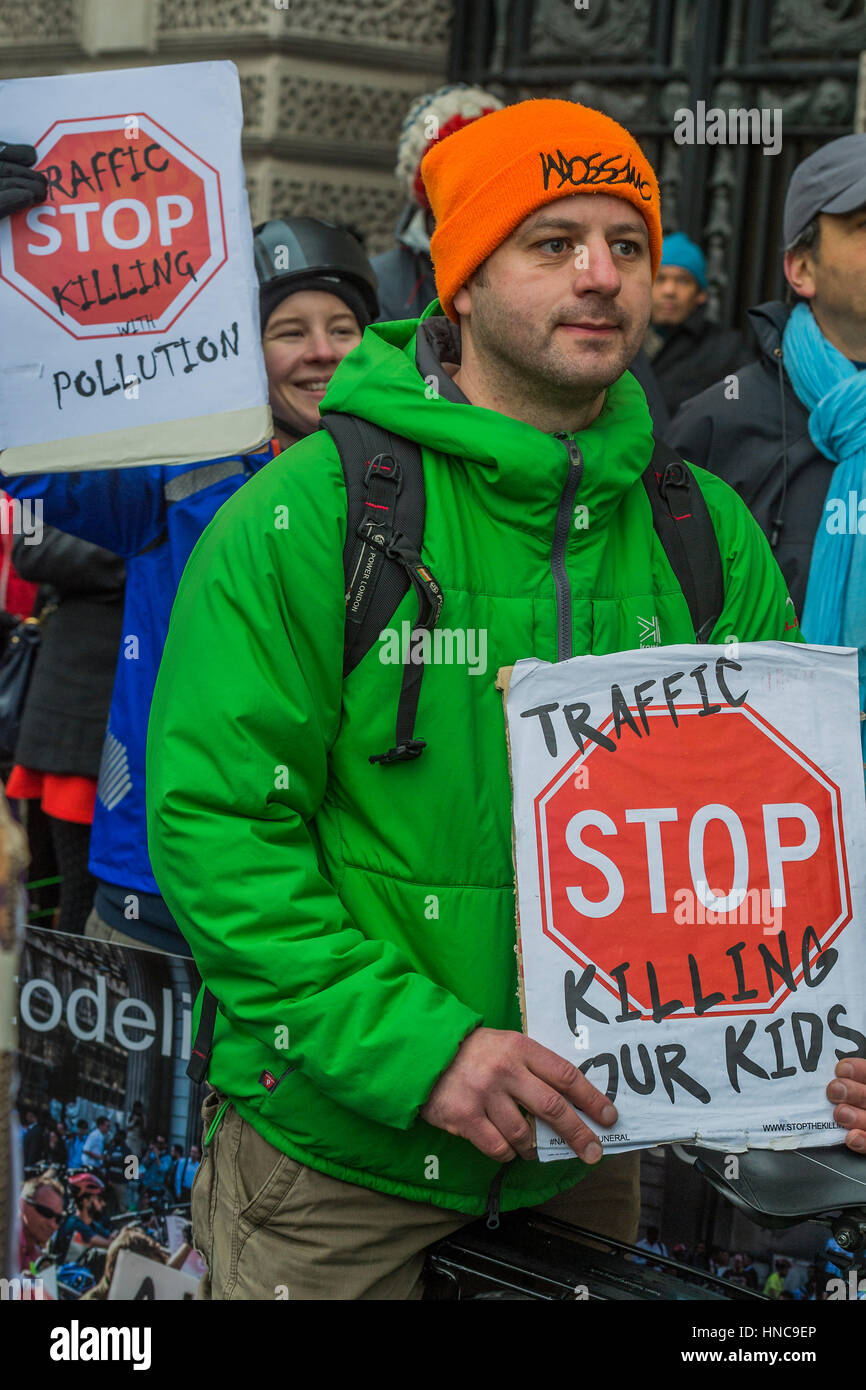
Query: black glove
pixel 19 184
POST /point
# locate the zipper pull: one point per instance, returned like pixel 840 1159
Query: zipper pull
pixel 575 458
pixel 492 1211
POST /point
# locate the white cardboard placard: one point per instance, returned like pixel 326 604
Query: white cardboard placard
pixel 690 845
pixel 131 290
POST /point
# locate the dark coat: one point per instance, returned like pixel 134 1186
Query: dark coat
pixel 760 444
pixel 66 710
pixel 405 275
pixel 642 370
pixel 694 356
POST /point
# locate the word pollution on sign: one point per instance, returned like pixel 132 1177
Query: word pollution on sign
pixel 690 849
pixel 130 291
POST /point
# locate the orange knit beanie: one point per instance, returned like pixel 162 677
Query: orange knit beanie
pixel 483 181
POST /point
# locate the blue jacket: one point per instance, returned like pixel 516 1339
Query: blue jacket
pixel 152 517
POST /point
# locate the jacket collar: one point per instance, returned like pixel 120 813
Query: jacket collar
pixel 436 341
pixel 768 321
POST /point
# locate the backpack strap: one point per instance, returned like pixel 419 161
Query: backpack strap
pixel 685 528
pixel 386 508
pixel 203 1045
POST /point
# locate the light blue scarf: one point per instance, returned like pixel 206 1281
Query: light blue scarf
pixel 834 392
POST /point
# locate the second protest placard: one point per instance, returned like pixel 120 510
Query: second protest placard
pixel 690 833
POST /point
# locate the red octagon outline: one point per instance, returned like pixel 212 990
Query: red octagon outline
pixel 720 1011
pixel 6 249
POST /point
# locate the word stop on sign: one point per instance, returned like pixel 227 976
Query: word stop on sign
pixel 801 841
pixel 616 866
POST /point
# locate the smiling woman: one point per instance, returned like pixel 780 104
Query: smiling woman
pixel 305 339
pixel 318 293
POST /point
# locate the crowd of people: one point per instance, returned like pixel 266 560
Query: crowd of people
pixel 775 1276
pixel 132 1172
pixel 520 341
pixel 92 1191
pixel 64 1228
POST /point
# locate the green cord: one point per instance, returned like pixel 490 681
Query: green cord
pixel 216 1119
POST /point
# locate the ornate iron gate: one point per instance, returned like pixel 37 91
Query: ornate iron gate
pixel 643 60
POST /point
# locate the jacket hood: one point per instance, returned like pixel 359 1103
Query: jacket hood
pixel 380 381
pixel 768 321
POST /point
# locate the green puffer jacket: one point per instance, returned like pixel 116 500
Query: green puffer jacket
pixel 356 921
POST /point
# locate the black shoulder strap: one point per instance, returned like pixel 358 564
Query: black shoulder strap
pixel 685 528
pixel 203 1045
pixel 382 555
pixel 385 490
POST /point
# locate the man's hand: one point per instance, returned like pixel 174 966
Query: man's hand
pixel 493 1073
pixel 849 1095
pixel 20 185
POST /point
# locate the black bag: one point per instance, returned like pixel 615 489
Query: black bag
pixel 16 672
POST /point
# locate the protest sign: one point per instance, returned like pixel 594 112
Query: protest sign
pixel 138 1279
pixel 690 845
pixel 131 288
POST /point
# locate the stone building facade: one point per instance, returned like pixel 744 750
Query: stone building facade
pixel 325 83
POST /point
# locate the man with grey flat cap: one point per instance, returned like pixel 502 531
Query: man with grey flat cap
pixel 794 442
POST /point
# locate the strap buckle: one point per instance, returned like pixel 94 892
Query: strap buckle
pixel 673 476
pixel 403 753
pixel 384 466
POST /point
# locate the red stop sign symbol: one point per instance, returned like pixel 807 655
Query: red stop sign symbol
pixel 714 839
pixel 132 229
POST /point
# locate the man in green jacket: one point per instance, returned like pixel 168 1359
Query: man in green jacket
pixel 355 920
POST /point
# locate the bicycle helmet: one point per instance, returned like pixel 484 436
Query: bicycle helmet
pixel 86 1183
pixel 75 1279
pixel 307 253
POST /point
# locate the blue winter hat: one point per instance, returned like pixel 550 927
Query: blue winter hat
pixel 678 250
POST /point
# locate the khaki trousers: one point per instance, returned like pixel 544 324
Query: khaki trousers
pixel 270 1228
pixel 97 928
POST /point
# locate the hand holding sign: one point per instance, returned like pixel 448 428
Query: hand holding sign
pixel 493 1073
pixel 20 185
pixel 848 1092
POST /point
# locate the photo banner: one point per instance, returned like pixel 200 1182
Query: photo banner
pixel 104 1033
pixel 130 292
pixel 103 1026
pixel 690 848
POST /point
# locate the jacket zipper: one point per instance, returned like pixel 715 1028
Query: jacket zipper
pixel 493 1197
pixel 564 641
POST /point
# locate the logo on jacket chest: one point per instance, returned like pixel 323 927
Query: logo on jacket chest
pixel 649 633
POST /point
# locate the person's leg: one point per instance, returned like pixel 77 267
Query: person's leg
pixel 607 1200
pixel 43 864
pixel 77 885
pixel 271 1228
